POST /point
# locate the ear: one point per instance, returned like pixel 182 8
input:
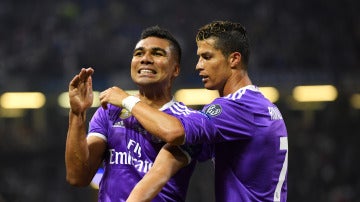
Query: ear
pixel 176 70
pixel 235 59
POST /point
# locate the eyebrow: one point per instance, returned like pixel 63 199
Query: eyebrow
pixel 159 49
pixel 152 49
pixel 204 53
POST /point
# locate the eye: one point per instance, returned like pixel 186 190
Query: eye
pixel 138 53
pixel 158 53
pixel 206 56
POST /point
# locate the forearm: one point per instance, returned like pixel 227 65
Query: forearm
pixel 162 125
pixel 76 151
pixel 148 187
pixel 167 163
pixel 150 118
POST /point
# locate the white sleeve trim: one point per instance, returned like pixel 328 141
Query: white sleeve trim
pixel 98 135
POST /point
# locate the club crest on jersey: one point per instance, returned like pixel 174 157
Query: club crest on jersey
pixel 124 113
pixel 213 110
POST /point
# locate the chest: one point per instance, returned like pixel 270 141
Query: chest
pixel 128 135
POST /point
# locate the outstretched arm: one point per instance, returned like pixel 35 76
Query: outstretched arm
pixel 150 118
pixel 82 156
pixel 169 160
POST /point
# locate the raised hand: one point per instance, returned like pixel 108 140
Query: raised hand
pixel 113 95
pixel 80 91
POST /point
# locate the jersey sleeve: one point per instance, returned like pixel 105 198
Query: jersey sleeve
pixel 99 123
pixel 233 119
pixel 241 117
pixel 199 128
pixel 222 120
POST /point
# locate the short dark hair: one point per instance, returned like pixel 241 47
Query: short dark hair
pixel 230 37
pixel 156 31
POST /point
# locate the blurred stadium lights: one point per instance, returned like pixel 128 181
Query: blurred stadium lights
pixel 196 96
pixel 14 104
pixel 355 100
pixel 11 113
pixel 315 93
pixel 22 100
pixel 305 106
pixel 63 98
pixel 188 96
pixel 204 96
pixel 270 93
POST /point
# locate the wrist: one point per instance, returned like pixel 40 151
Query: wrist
pixel 76 113
pixel 77 118
pixel 129 102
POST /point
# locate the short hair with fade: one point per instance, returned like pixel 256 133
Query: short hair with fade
pixel 230 37
pixel 156 31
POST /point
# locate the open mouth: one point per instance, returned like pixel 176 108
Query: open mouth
pixel 146 71
pixel 204 78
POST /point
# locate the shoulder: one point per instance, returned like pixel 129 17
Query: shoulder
pixel 112 112
pixel 243 93
pixel 179 108
pixel 243 99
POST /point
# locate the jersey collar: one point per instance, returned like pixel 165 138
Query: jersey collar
pixel 167 105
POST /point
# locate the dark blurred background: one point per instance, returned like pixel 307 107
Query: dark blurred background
pixel 44 43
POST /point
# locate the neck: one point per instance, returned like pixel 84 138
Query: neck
pixel 236 81
pixel 155 97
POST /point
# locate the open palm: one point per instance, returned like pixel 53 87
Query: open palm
pixel 81 92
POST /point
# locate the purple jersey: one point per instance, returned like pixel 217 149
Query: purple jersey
pixel 131 151
pixel 251 149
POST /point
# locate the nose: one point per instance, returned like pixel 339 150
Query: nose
pixel 199 65
pixel 147 59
